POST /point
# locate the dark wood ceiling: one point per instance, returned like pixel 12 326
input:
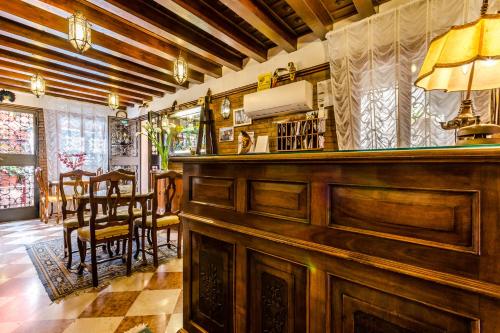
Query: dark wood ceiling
pixel 136 41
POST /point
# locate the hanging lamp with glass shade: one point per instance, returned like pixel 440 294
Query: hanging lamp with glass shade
pixel 79 33
pixel 225 108
pixel 37 85
pixel 180 69
pixel 113 101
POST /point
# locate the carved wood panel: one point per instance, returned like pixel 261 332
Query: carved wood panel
pixel 442 218
pixel 212 191
pixel 287 200
pixel 212 283
pixel 359 309
pixel 277 291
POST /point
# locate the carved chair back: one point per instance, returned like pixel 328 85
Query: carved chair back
pixel 168 192
pixel 115 198
pixel 74 180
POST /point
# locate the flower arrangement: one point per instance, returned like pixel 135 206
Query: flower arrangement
pixel 72 161
pixel 161 138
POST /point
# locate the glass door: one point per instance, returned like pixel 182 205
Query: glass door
pixel 18 159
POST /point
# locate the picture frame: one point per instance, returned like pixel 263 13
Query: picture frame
pixel 240 118
pixel 226 134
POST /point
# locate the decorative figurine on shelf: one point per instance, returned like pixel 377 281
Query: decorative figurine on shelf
pixel 7 96
pixel 291 70
pixel 207 127
pixel 72 161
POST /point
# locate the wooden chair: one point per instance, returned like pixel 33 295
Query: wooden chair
pixel 160 220
pixel 47 200
pixel 115 226
pixel 70 223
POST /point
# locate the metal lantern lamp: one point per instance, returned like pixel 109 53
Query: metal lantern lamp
pixel 466 58
pixel 113 101
pixel 225 108
pixel 180 70
pixel 79 33
pixel 37 85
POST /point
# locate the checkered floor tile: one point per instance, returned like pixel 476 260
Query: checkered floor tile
pixel 154 299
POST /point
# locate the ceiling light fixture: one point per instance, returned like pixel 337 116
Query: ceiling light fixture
pixel 79 33
pixel 225 108
pixel 37 85
pixel 180 69
pixel 113 101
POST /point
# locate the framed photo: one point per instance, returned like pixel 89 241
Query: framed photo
pixel 246 142
pixel 240 118
pixel 226 134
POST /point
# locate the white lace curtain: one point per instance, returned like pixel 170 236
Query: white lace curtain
pixel 75 127
pixel 374 64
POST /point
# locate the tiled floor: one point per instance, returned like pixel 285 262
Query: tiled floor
pixel 151 298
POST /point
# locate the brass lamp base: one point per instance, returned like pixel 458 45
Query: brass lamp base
pixel 470 131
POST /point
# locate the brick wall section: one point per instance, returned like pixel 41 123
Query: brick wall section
pixel 267 126
pixel 42 153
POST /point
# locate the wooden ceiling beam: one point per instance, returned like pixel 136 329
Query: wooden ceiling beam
pixel 67 79
pixel 70 87
pixel 54 94
pixel 44 18
pixel 267 25
pixel 138 34
pixel 365 8
pixel 50 66
pixel 314 14
pixel 63 44
pixel 210 20
pixel 65 60
pixel 175 30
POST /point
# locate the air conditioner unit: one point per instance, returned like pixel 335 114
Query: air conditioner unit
pixel 289 98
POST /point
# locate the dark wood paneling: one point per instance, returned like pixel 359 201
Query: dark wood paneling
pixel 212 191
pixel 356 308
pixel 277 291
pixel 286 200
pixel 212 284
pixel 444 218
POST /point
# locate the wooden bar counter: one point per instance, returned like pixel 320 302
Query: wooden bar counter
pixel 383 241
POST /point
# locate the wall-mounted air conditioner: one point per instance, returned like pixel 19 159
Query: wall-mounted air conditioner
pixel 289 98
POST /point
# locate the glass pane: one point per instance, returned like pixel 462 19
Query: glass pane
pixel 17 188
pixel 17 134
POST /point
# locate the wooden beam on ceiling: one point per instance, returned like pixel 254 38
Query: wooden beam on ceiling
pixel 314 14
pixel 205 17
pixel 266 24
pixel 50 66
pixel 70 87
pixel 39 36
pixel 365 8
pixel 72 80
pixel 119 26
pixel 43 17
pixel 65 60
pixel 176 30
pixel 54 94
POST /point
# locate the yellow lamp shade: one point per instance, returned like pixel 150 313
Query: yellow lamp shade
pixel 113 101
pixel 449 60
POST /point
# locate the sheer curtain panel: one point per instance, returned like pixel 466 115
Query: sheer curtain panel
pixel 75 127
pixel 374 64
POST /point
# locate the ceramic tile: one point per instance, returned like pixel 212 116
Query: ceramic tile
pixel 9 327
pixel 136 282
pixel 165 280
pixel 22 307
pixel 154 302
pixel 91 325
pixel 175 323
pixel 69 308
pixel 110 304
pixel 155 323
pixel 44 326
pixel 22 286
pixel 12 270
pixel 178 306
pixel 172 265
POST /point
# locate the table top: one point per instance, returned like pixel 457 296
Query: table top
pixel 125 194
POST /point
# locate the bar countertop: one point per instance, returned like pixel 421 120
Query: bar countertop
pixel 477 153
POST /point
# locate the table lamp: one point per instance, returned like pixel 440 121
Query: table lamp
pixel 466 58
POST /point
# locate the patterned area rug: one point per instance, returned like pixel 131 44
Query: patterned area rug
pixel 48 259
